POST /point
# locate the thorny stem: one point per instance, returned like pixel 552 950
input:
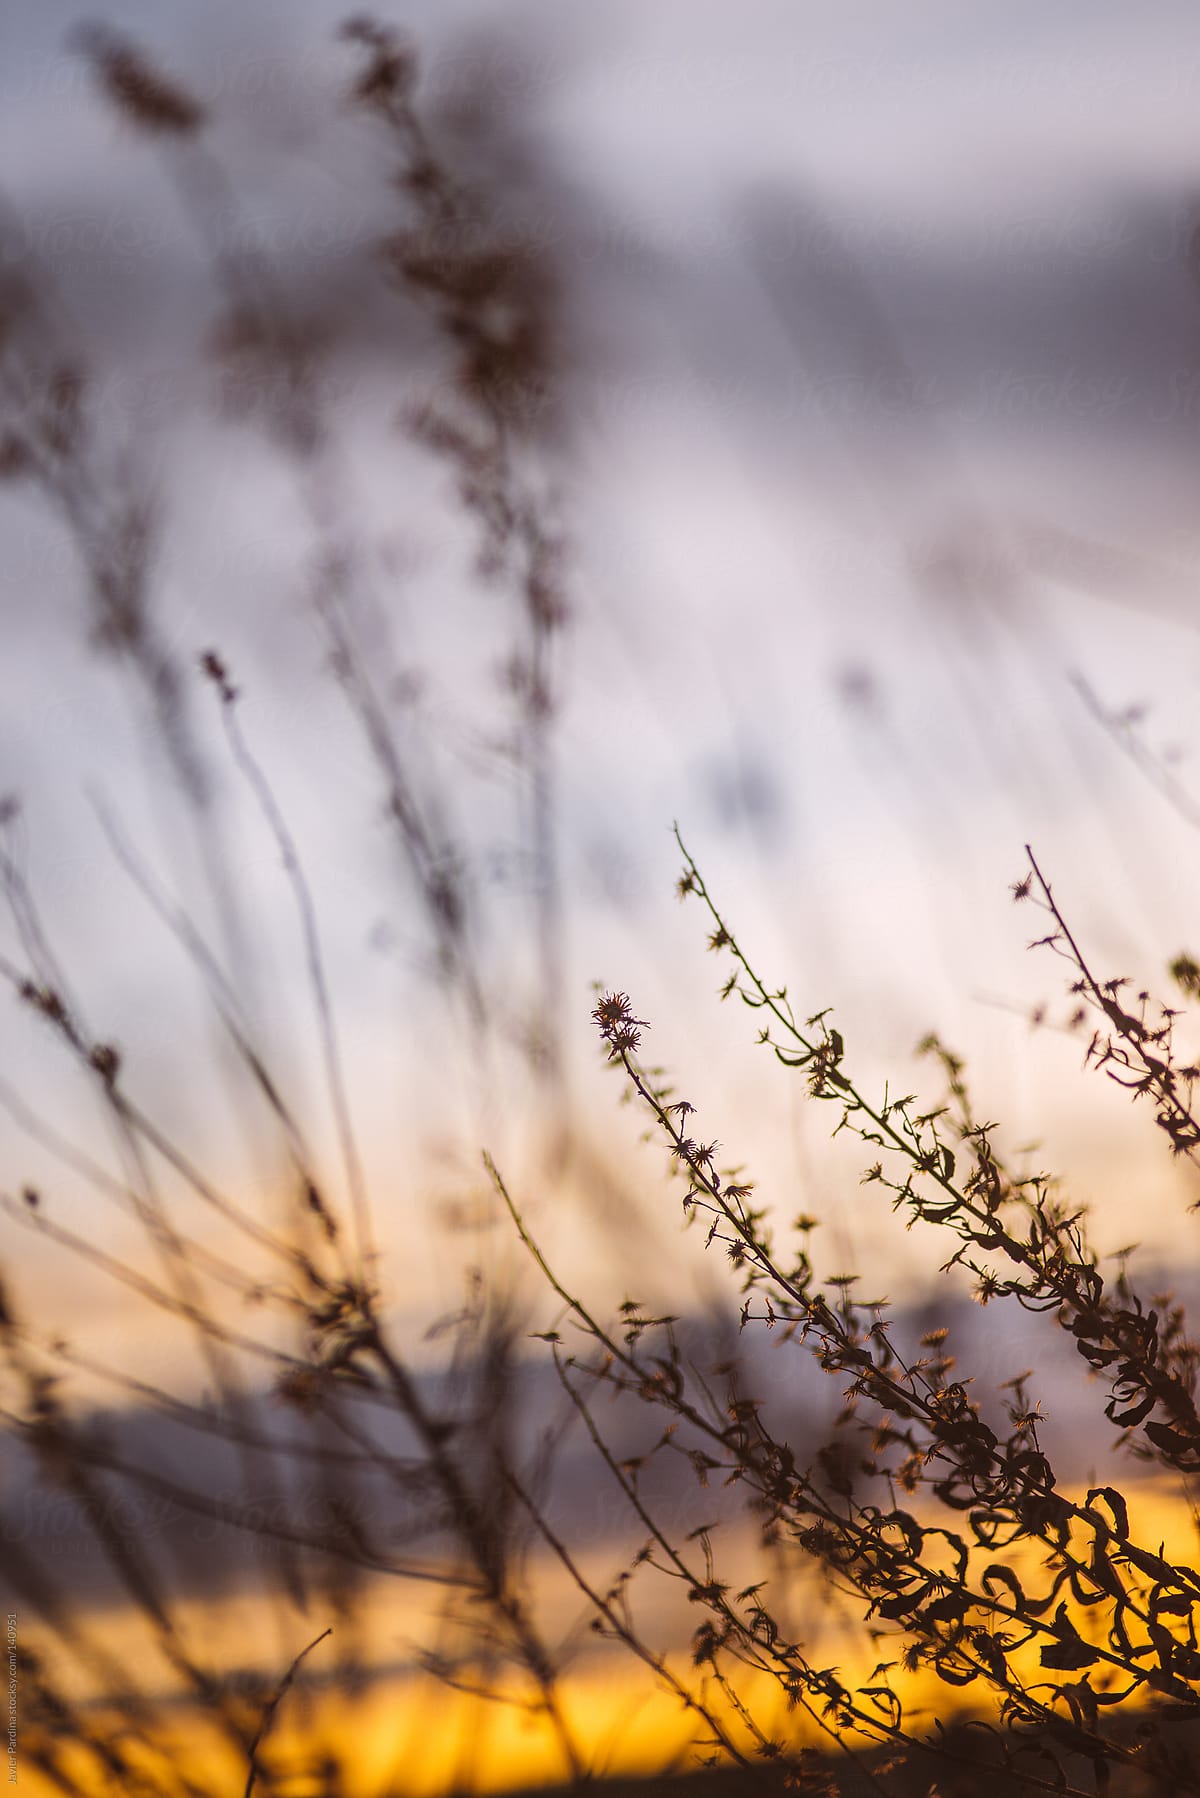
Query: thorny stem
pixel 787 1655
pixel 1067 1284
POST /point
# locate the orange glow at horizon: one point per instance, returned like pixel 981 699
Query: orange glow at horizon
pixel 406 1732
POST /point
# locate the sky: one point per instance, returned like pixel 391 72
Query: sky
pixel 880 391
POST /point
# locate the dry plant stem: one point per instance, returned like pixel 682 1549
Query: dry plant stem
pixel 1054 1252
pixel 68 1155
pixel 231 1428
pixel 257 300
pixel 216 983
pixel 182 1295
pixel 59 1721
pixel 611 1346
pixel 317 1293
pixel 72 1465
pixel 210 203
pixel 45 1000
pixel 1186 1583
pixel 889 1392
pixel 789 1658
pixel 194 1418
pixel 752 1647
pixel 1158 1075
pixel 179 1275
pixel 160 1297
pixel 501 371
pixel 622 1631
pixel 335 1316
pixel 1112 1543
pixel 1122 729
pixel 430 864
pixel 269 1713
pixel 248 1519
pixel 486 1550
pixel 112 532
pixel 36 1588
pixel 57 443
pixel 315 965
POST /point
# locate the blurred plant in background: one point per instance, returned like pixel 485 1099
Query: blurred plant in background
pixel 376 1458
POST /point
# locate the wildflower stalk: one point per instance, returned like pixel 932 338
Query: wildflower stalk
pixel 1051 1249
pixel 962 1611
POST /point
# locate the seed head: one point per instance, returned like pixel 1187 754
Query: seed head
pixel 617 1024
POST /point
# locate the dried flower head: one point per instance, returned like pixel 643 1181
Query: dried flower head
pixel 214 669
pixel 613 1016
pixel 390 68
pixel 135 87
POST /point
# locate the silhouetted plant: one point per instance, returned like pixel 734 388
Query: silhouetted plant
pixel 958 1540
